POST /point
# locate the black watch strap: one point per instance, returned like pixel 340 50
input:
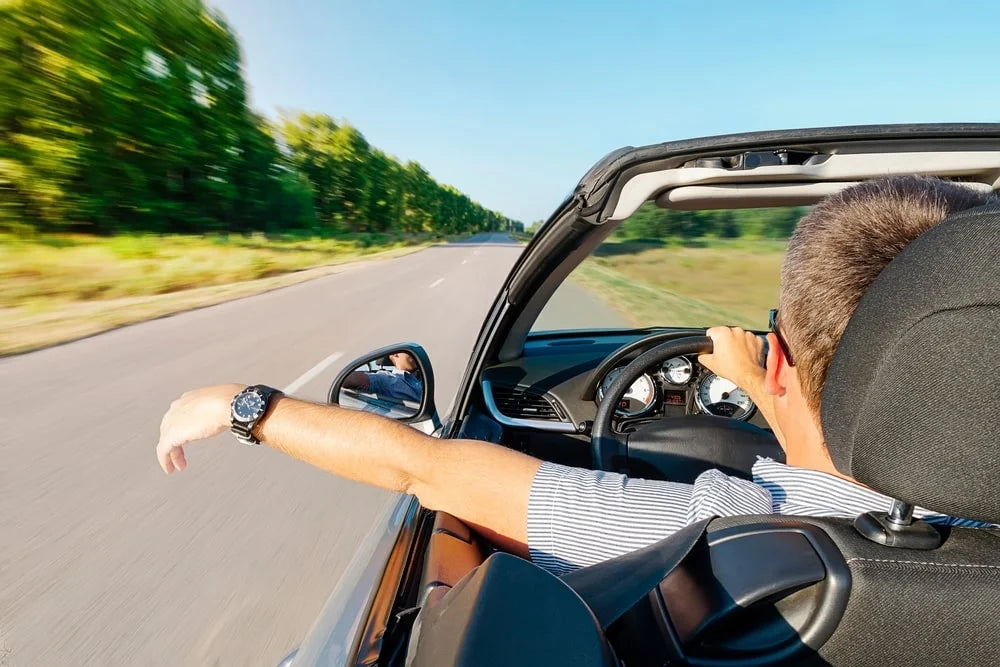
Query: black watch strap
pixel 244 430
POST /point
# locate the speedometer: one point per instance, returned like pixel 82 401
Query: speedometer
pixel 722 398
pixel 639 398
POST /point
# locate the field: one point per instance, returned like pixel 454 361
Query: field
pixel 700 283
pixel 55 288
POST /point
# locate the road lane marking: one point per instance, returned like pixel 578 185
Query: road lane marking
pixel 436 283
pixel 464 261
pixel 312 372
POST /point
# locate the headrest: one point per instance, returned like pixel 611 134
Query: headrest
pixel 911 403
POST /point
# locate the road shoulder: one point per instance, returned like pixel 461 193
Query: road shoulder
pixel 24 331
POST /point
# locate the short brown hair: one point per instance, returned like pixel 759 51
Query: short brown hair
pixel 840 247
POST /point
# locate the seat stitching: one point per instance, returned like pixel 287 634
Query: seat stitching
pixel 919 562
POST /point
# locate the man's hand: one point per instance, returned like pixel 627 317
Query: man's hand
pixel 196 415
pixel 736 356
pixel 485 485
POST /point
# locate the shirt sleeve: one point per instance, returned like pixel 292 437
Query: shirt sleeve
pixel 579 517
pixel 391 385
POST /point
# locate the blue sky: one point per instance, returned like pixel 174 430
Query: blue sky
pixel 512 102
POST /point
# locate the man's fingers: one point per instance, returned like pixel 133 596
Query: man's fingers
pixel 177 458
pixel 165 464
pixel 163 458
pixel 714 332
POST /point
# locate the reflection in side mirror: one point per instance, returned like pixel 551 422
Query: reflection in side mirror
pixel 394 390
pixel 395 382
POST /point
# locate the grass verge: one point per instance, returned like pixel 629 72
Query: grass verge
pixel 55 288
pixel 704 283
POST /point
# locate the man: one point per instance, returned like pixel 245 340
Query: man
pixel 406 385
pixel 566 518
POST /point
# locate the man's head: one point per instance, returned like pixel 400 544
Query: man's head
pixel 835 253
pixel 404 361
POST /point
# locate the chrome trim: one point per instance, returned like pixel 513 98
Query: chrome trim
pixel 334 637
pixel 538 424
pixel 701 405
pixel 900 513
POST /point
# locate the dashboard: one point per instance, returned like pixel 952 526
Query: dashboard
pixel 559 381
pixel 680 381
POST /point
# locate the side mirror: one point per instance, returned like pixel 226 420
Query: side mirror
pixel 395 381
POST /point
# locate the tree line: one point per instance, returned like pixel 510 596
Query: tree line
pixel 132 115
pixel 652 222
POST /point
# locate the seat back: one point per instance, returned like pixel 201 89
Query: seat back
pixel 903 606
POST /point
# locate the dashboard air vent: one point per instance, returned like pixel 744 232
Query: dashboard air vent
pixel 523 403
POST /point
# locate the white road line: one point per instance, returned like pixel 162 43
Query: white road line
pixel 436 283
pixel 312 372
pixel 464 261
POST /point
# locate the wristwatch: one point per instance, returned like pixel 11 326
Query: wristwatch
pixel 249 407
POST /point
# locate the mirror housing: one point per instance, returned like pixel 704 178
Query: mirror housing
pixel 401 408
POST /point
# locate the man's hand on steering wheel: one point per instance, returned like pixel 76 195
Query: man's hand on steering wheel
pixel 737 357
pixel 664 445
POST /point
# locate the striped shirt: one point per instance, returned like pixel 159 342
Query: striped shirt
pixel 579 517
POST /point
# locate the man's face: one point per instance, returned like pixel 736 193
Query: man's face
pixel 403 361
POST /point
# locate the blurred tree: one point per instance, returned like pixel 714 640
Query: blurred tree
pixel 121 115
pixel 652 222
pixel 362 189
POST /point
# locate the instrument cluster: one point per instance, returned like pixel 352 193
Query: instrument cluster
pixel 680 382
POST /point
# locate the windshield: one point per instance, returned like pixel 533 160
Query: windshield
pixel 678 268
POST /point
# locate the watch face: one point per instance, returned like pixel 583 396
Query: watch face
pixel 248 406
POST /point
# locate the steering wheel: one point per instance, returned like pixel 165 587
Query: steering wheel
pixel 676 448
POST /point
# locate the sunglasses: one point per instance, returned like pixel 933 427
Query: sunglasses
pixel 773 323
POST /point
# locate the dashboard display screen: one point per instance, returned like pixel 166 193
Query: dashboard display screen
pixel 675 397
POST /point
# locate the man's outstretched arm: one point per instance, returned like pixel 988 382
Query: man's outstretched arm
pixel 483 484
pixel 486 485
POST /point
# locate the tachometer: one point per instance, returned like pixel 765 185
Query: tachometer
pixel 639 398
pixel 677 371
pixel 722 398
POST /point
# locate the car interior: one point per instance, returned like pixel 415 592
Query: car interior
pixel 910 408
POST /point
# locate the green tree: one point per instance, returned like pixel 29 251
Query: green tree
pixel 357 187
pixel 120 115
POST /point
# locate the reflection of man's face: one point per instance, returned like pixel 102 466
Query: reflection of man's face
pixel 403 361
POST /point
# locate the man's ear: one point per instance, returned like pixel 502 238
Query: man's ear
pixel 775 375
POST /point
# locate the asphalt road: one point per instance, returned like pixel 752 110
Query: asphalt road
pixel 105 561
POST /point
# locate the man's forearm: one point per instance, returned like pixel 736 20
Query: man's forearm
pixel 351 444
pixel 356 380
pixel 484 484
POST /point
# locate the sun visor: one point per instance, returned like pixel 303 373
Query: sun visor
pixel 970 167
pixel 760 195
